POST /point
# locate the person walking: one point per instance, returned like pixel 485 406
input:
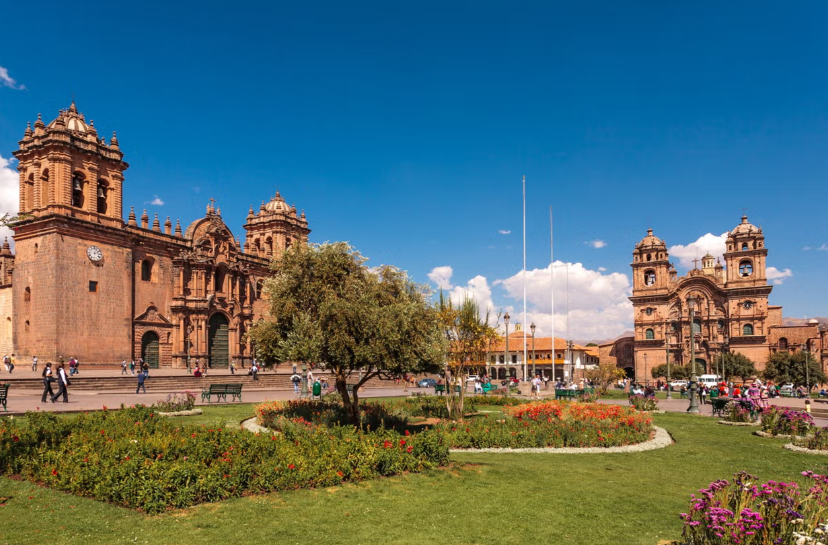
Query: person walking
pixel 11 364
pixel 124 368
pixel 255 371
pixel 142 377
pixel 296 380
pixel 132 367
pixel 7 362
pixel 34 364
pixel 48 379
pixel 144 367
pixel 536 386
pixel 232 368
pixel 703 395
pixel 63 383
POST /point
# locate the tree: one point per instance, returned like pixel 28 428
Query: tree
pixel 327 307
pixel 784 367
pixel 468 337
pixel 605 374
pixel 734 364
pixel 677 372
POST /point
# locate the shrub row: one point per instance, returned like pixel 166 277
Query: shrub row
pixel 135 459
pixel 784 421
pixel 329 412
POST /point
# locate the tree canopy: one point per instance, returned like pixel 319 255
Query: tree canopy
pixel 327 308
pixel 784 367
pixel 605 374
pixel 734 364
pixel 677 372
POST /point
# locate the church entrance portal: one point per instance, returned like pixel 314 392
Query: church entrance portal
pixel 219 342
pixel 149 349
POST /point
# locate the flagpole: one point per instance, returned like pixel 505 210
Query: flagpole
pixel 525 369
pixel 552 289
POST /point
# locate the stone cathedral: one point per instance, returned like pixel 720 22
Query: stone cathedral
pixel 85 283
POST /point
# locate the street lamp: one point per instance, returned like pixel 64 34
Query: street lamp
pixel 304 394
pixel 189 334
pixel 667 358
pixel 508 357
pixel 694 386
pixel 571 363
pixel 646 381
pixel 804 348
pixel 532 329
pixel 725 347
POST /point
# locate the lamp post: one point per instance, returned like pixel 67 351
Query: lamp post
pixel 694 386
pixel 725 347
pixel 189 334
pixel 571 363
pixel 646 380
pixel 304 394
pixel 667 358
pixel 508 357
pixel 804 348
pixel 532 328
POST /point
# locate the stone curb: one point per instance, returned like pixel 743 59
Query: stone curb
pixel 767 435
pixel 728 423
pixel 794 448
pixel 191 412
pixel 662 439
pixel 250 425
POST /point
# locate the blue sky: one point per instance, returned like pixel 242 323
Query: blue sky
pixel 405 128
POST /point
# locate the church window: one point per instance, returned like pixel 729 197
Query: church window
pixel 747 330
pixel 35 248
pixel 77 190
pixel 649 277
pixel 259 286
pixel 218 281
pixel 649 335
pixel 696 326
pixel 744 246
pixel 45 193
pixel 720 324
pixel 783 343
pixel 146 270
pixel 29 195
pixel 745 268
pixel 93 286
pixel 649 257
pixel 27 294
pixel 102 197
pixel 27 326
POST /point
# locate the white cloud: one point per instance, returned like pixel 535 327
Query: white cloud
pixel 596 243
pixel 602 269
pixel 478 289
pixel 505 232
pixel 9 194
pixel 7 81
pixel 156 201
pixel 709 243
pixel 822 248
pixel 442 277
pixel 776 276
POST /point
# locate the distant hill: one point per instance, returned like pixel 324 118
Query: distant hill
pixel 603 341
pixel 803 321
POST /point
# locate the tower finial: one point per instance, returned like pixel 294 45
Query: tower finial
pixel 132 216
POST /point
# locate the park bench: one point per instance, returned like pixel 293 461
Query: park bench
pixel 221 391
pixel 4 395
pixel 489 387
pixel 719 405
pixel 567 394
pixel 439 389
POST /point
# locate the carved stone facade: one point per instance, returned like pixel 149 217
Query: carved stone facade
pixel 90 285
pixel 732 311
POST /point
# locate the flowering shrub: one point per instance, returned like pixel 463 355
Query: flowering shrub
pixel 135 459
pixel 176 402
pixel 551 424
pixel 749 513
pixel 817 441
pixel 641 403
pixel 589 397
pixel 740 411
pixel 499 400
pixel 328 412
pixel 784 421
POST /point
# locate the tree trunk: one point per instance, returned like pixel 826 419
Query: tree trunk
pixel 351 408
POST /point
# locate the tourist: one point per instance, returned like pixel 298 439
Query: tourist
pixel 63 382
pixel 132 367
pixel 6 362
pixel 48 379
pixel 144 367
pixel 141 378
pixel 310 376
pixel 197 371
pixel 254 370
pixel 232 368
pixel 11 363
pixel 124 368
pixel 34 364
pixel 296 380
pixel 536 385
pixel 703 394
pixel 763 397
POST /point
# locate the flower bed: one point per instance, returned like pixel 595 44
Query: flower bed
pixel 817 441
pixel 328 412
pixel 745 512
pixel 551 424
pixel 177 402
pixel 783 421
pixel 740 411
pixel 134 458
pixel 641 403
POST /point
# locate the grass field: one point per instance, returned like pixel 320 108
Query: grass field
pixel 484 498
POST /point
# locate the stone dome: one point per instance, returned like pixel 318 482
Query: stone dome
pixel 277 205
pixel 745 228
pixel 72 120
pixel 650 240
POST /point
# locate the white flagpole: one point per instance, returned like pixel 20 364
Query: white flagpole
pixel 525 368
pixel 552 289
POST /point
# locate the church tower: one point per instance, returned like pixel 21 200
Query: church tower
pixel 274 228
pixel 66 168
pixel 745 256
pixel 651 266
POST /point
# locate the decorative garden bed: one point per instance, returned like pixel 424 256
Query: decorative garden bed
pixel 191 412
pixel 660 439
pixel 729 423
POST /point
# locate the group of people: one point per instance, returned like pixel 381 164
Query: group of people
pixel 50 377
pixel 129 368
pixel 296 380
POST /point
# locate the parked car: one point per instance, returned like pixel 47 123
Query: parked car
pixel 786 388
pixel 426 383
pixel 472 378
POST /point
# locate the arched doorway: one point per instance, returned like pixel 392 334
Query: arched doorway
pixel 219 341
pixel 701 366
pixel 630 372
pixel 150 351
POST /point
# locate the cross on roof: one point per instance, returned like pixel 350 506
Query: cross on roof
pixel 744 211
pixel 696 263
pixel 212 201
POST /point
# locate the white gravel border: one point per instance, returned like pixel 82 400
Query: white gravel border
pixel 728 423
pixel 251 425
pixel 191 412
pixel 662 439
pixel 767 435
pixel 794 448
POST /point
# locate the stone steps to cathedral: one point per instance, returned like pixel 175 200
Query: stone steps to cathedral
pixel 172 383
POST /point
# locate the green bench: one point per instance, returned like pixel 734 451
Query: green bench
pixel 489 387
pixel 567 394
pixel 719 405
pixel 4 395
pixel 221 391
pixel 439 389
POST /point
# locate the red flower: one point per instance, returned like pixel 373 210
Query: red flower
pixel 340 473
pixel 402 442
pixel 54 472
pixel 410 449
pixel 103 432
pixel 291 466
pixel 193 435
pixel 15 438
pixel 407 432
pixel 127 458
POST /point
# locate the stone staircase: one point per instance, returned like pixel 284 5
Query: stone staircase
pixel 179 383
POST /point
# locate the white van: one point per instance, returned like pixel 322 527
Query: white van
pixel 709 380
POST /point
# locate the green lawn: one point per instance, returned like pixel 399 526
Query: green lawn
pixel 484 498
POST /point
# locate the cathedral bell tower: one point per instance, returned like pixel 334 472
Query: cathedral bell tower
pixel 66 168
pixel 651 266
pixel 745 256
pixel 274 229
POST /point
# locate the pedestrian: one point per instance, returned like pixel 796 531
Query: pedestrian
pixel 536 386
pixel 141 378
pixel 77 366
pixel 11 363
pixel 34 364
pixel 255 370
pixel 703 394
pixel 144 367
pixel 6 362
pixel 124 368
pixel 63 383
pixel 197 371
pixel 48 379
pixel 296 380
pixel 232 368
pixel 132 367
pixel 71 366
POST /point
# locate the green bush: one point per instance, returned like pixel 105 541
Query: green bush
pixel 641 403
pixel 133 458
pixel 176 402
pixel 329 412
